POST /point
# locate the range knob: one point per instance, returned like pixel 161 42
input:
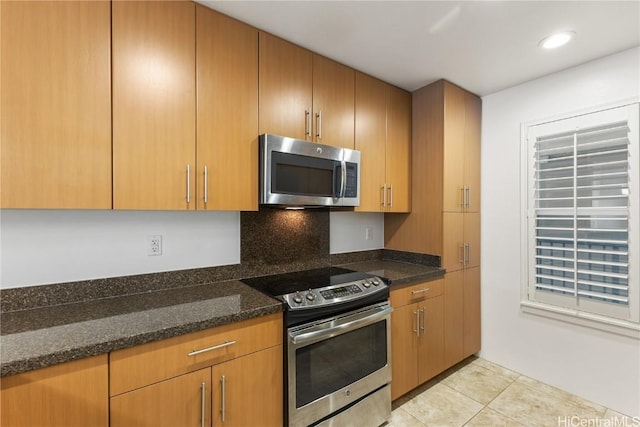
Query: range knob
pixel 376 282
pixel 367 284
pixel 310 295
pixel 297 297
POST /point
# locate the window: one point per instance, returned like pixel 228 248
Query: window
pixel 582 249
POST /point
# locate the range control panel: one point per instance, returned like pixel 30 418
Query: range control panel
pixel 334 294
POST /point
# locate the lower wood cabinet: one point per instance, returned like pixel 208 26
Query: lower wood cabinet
pixel 225 376
pixel 69 394
pixel 462 315
pixel 180 401
pixel 247 391
pixel 417 335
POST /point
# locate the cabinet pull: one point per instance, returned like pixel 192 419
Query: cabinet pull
pixel 419 291
pixel 468 190
pixel 188 183
pixel 307 122
pixel 215 347
pixel 223 389
pixel 462 254
pixel 319 125
pixel 423 327
pixel 467 253
pixel 384 194
pixel 463 197
pixel 203 403
pixel 417 329
pixel 390 195
pixel 206 184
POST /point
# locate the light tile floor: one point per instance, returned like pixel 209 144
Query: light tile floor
pixel 477 393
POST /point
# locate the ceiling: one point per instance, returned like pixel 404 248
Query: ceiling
pixel 483 46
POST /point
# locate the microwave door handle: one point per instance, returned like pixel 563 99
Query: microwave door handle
pixel 337 186
pixel 343 187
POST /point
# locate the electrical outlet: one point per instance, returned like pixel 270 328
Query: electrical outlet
pixel 368 233
pixel 154 245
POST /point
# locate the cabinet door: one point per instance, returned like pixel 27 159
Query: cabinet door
pixel 471 227
pixel 180 401
pixel 248 390
pixel 398 150
pixel 431 341
pixel 472 331
pixel 453 318
pixel 70 394
pixel 56 105
pixel 452 241
pixel 404 349
pixel 333 103
pixel 227 124
pixel 370 140
pixel 154 105
pixel 285 88
pixel 473 116
pixel 453 148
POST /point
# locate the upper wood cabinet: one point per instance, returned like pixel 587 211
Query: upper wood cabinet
pixel 286 94
pixel 461 156
pixel 72 394
pixel 304 95
pixel 154 105
pixel 227 112
pixel 333 103
pixel 383 136
pixel 439 137
pixel 398 150
pixel 371 140
pixel 56 105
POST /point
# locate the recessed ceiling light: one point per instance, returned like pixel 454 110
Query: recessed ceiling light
pixel 557 40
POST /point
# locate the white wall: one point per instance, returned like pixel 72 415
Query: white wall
pixel 53 246
pixel 40 247
pixel 601 367
pixel 348 231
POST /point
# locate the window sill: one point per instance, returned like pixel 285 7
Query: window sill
pixel 593 321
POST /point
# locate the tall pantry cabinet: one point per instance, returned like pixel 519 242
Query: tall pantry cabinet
pixel 445 217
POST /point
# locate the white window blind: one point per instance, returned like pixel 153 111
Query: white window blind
pixel 583 186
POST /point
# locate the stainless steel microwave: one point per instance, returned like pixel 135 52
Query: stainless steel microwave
pixel 300 173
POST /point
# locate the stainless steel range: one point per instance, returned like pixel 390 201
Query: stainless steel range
pixel 337 360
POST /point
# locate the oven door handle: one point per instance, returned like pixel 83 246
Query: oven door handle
pixel 341 328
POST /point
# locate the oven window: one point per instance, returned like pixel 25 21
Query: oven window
pixel 301 175
pixel 329 365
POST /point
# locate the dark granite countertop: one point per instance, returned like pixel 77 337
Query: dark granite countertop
pixel 36 338
pixel 400 273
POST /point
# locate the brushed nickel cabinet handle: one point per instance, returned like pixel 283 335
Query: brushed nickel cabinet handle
pixel 307 122
pixel 203 403
pixel 223 397
pixel 384 194
pixel 319 125
pixel 420 291
pixel 188 183
pixel 206 184
pixel 462 253
pixel 463 195
pixel 417 329
pixel 468 197
pixel 467 253
pixel 423 327
pixel 215 347
pixel 390 195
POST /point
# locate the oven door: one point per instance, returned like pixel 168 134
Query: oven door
pixel 335 362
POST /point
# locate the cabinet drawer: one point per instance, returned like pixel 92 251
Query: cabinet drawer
pixel 146 364
pixel 418 292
